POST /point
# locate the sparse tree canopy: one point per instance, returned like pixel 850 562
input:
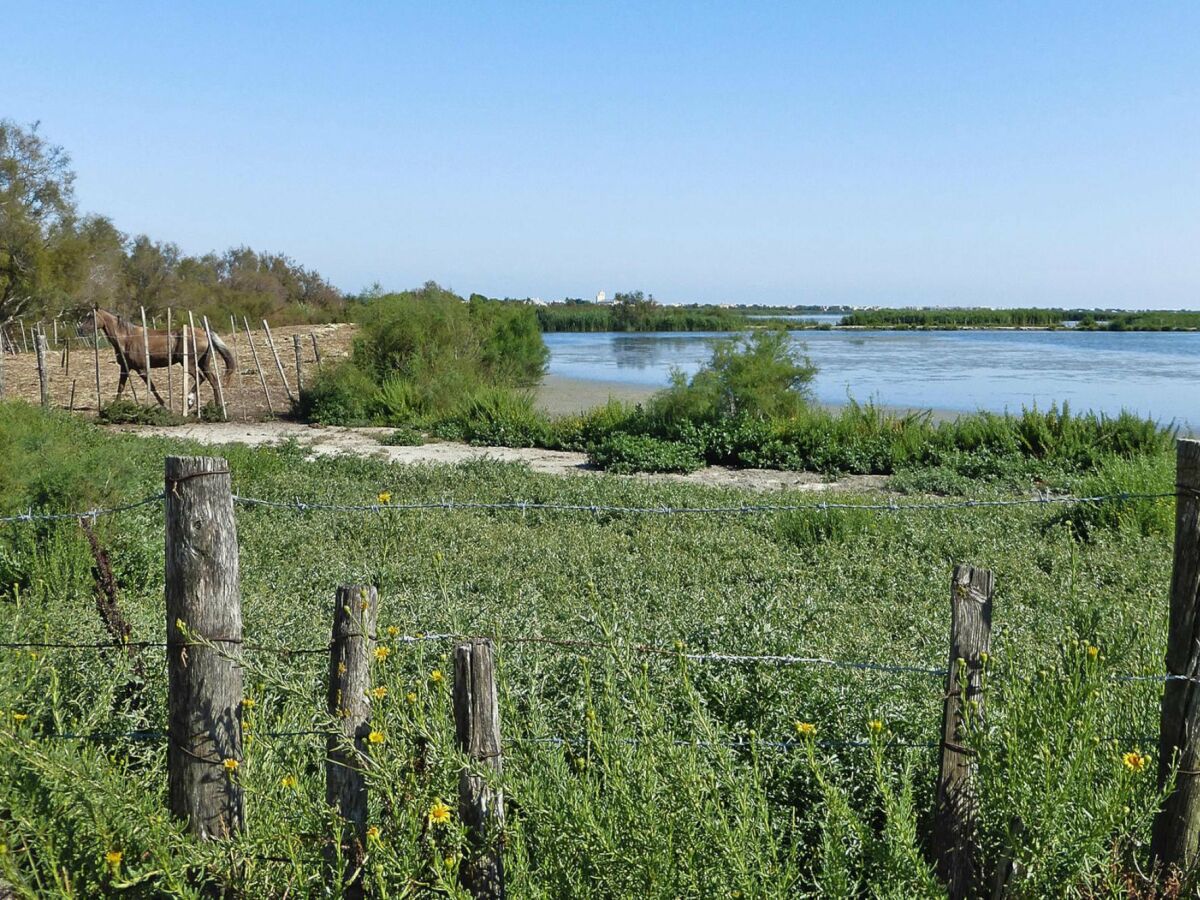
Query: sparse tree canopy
pixel 37 207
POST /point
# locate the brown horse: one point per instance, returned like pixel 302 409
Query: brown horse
pixel 166 349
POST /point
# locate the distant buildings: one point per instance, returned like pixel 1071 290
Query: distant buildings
pixel 602 297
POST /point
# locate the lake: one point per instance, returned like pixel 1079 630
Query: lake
pixel 1155 374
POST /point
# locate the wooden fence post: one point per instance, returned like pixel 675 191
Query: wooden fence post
pixel 196 382
pixel 316 349
pixel 170 365
pixel 217 381
pixel 24 340
pixel 355 612
pixel 96 357
pixel 480 805
pixel 146 350
pixel 183 379
pixel 299 371
pixel 271 343
pixel 262 379
pixel 237 355
pixel 204 683
pixel 954 815
pixel 1 366
pixel 1175 841
pixel 39 343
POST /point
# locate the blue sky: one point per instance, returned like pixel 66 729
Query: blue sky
pixel 969 153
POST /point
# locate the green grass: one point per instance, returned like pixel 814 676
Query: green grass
pixel 635 807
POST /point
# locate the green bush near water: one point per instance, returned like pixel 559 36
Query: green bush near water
pixel 675 777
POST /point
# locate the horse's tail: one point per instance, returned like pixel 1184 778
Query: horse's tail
pixel 227 355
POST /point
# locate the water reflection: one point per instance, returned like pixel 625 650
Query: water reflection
pixel 1155 374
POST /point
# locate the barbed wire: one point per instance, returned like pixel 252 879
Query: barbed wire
pixel 91 514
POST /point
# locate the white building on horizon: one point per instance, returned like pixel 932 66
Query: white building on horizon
pixel 602 297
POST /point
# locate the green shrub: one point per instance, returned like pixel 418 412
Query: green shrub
pixel 403 436
pixel 503 417
pixel 627 453
pixel 339 395
pixel 126 412
pixel 578 432
pixel 1116 476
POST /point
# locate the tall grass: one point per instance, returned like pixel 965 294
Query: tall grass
pixel 673 777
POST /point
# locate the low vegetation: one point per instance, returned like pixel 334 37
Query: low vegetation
pixel 1081 319
pixel 627 773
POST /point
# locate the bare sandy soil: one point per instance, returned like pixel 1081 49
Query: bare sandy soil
pixel 364 442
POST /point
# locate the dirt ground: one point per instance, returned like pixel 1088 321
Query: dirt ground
pixel 364 442
pixel 244 400
pixel 73 386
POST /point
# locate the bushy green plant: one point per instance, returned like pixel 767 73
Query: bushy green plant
pixel 403 436
pixel 501 416
pixel 127 412
pixel 339 395
pixel 627 453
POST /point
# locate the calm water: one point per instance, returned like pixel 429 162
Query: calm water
pixel 1152 373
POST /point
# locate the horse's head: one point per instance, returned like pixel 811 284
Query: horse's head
pixel 93 320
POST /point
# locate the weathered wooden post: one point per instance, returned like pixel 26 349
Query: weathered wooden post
pixel 954 815
pixel 204 637
pixel 262 379
pixel 1176 838
pixel 24 340
pixel 96 357
pixel 271 343
pixel 183 379
pixel 196 376
pixel 39 343
pixel 480 805
pixel 170 364
pixel 217 381
pixel 355 611
pixel 237 355
pixel 316 349
pixel 2 366
pixel 299 370
pixel 146 350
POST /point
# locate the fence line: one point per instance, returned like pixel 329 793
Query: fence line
pixel 728 658
pixel 541 506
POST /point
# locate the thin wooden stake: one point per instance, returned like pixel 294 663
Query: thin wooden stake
pixel 23 339
pixel 316 349
pixel 271 342
pixel 55 323
pixel 204 637
pixel 71 408
pixel 170 364
pixel 146 358
pixel 183 405
pixel 39 341
pixel 355 611
pixel 299 370
pixel 262 379
pixel 217 381
pixel 954 843
pixel 1 367
pixel 67 357
pixel 96 357
pixel 237 355
pixel 1175 842
pixel 196 379
pixel 480 805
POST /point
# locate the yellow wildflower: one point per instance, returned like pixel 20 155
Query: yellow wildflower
pixel 382 653
pixel 1093 652
pixel 411 697
pixel 439 813
pixel 875 726
pixel 376 737
pixel 393 631
pixel 114 857
pixel 436 676
pixel 373 833
pixel 1134 761
pixel 230 764
pixel 20 717
pixel 385 497
pixel 289 782
pixel 449 861
pixel 379 693
pixel 805 729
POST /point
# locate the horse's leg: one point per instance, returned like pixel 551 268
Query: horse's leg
pixel 121 383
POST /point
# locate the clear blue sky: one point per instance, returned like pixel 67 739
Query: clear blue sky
pixel 909 153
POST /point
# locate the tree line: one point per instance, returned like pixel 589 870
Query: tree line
pixel 55 259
